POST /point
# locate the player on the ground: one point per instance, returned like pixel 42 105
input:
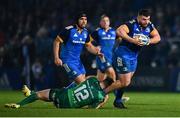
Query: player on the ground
pixel 70 43
pixel 90 92
pixel 135 34
pixel 104 37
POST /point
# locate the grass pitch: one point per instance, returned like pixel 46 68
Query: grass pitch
pixel 140 104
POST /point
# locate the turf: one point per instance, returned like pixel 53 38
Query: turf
pixel 140 104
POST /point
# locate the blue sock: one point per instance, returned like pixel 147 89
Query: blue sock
pixel 71 85
pixel 119 94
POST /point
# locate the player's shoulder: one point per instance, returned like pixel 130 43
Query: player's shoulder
pixel 69 27
pixel 112 29
pixel 151 24
pixel 85 29
pixel 98 28
pixel 92 79
pixel 132 21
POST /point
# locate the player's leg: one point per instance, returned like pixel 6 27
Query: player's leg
pixel 119 93
pixel 101 76
pixel 111 73
pixel 80 76
pixel 125 68
pixel 125 80
pixel 26 91
pixel 79 79
pixel 75 72
pixel 40 95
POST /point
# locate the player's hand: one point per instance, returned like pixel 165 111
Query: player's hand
pixel 101 55
pixel 58 61
pixel 98 49
pixel 137 41
pixel 102 103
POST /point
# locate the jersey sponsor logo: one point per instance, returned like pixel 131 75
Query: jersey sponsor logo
pixel 108 37
pixel 80 42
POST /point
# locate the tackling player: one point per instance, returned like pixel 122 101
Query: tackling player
pixel 89 92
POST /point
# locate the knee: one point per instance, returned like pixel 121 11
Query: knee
pixel 39 95
pixel 112 75
pixel 125 83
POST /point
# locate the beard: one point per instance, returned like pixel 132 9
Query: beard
pixel 81 26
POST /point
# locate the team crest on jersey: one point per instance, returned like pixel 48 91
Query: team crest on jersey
pixel 147 29
pixel 113 33
pixel 85 35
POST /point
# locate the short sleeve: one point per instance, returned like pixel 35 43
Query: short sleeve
pixel 95 37
pixel 64 34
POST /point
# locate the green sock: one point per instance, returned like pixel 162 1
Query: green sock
pixel 32 92
pixel 33 97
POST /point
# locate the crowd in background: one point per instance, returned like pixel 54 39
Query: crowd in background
pixel 28 28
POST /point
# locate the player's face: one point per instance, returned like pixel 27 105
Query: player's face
pixel 82 22
pixel 144 20
pixel 105 22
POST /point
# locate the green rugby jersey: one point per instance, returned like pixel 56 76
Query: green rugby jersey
pixel 88 92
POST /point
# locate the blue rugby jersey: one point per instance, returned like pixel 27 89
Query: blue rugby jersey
pixel 106 40
pixel 73 43
pixel 131 49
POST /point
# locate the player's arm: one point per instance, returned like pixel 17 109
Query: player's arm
pixel 98 104
pixel 102 103
pixel 155 37
pixel 56 44
pixel 122 32
pixel 92 49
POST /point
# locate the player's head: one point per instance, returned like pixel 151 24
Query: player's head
pixel 81 20
pixel 104 21
pixel 144 16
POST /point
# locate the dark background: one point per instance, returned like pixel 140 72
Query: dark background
pixel 28 28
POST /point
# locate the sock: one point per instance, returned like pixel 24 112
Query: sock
pixel 32 92
pixel 72 85
pixel 33 97
pixel 119 94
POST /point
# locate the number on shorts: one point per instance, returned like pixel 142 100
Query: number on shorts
pixel 119 61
